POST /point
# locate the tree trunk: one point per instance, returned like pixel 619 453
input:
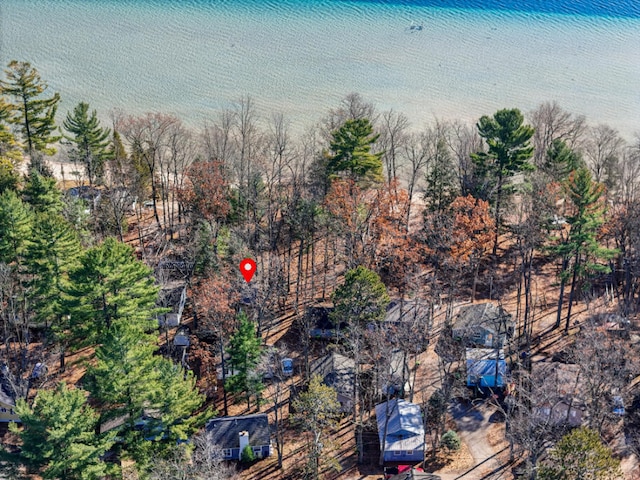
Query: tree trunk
pixel 565 264
pixel 572 293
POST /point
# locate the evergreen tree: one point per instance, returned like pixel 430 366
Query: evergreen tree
pixel 52 253
pixel 561 161
pixel 110 287
pixel 90 140
pixel 131 382
pixel 581 455
pixel 580 250
pixel 10 152
pixel 508 154
pixel 244 351
pixel 16 223
pixel 361 299
pixel 34 114
pixel 350 152
pixel 58 435
pixel 42 193
pixel 440 189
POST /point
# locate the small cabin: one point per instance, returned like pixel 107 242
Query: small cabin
pixel 486 368
pixel 233 434
pixel 483 325
pixel 174 298
pixel 7 408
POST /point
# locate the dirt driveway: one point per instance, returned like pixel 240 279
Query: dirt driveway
pixel 475 424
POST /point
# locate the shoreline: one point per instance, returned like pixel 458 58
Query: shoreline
pixel 301 62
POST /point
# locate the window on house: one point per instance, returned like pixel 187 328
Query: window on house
pixel 3 410
pixel 409 452
pixel 397 453
pixel 226 452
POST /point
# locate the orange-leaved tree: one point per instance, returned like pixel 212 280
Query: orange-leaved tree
pixel 471 233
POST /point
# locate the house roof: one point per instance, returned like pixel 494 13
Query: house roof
pixel 558 393
pixel 224 431
pixel 170 295
pixel 6 399
pixel 336 371
pixel 405 430
pixel 407 311
pixel 320 317
pixel 486 315
pixel 556 380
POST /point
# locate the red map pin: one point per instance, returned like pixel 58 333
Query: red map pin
pixel 247 269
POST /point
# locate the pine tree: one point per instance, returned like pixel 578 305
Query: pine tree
pixel 90 140
pixel 350 152
pixel 561 161
pixel 440 188
pixel 10 151
pixel 58 434
pixel 42 193
pixel 34 114
pixel 581 455
pixel 509 154
pixel 16 223
pixel 109 288
pixel 133 383
pixel 244 351
pixel 52 253
pixel 361 299
pixel 580 250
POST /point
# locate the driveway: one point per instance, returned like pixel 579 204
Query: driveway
pixel 473 422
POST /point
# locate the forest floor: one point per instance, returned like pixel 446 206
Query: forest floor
pixel 484 453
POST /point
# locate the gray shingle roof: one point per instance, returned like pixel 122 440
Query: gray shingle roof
pixel 336 371
pixel 224 431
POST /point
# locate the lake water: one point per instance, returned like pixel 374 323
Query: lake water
pixel 194 58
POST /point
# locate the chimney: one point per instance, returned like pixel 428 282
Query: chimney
pixel 243 437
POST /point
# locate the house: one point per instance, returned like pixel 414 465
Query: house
pixel 318 318
pixel 483 325
pixel 391 382
pixel 91 196
pixel 337 371
pixel 409 312
pixel 404 439
pixel 411 318
pixel 486 367
pixel 172 296
pixel 233 434
pixel 558 395
pixel 7 408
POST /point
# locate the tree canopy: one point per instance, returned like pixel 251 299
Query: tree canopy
pixel 361 299
pixel 350 152
pixel 509 151
pixel 90 141
pixel 580 455
pixel 34 113
pixel 58 435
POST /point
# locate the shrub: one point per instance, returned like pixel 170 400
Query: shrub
pixel 247 455
pixel 450 440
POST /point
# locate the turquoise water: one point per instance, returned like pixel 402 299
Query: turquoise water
pixel 194 58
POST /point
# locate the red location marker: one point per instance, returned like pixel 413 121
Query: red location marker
pixel 247 269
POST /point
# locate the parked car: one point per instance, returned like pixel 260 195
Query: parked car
pixel 287 367
pixel 618 405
